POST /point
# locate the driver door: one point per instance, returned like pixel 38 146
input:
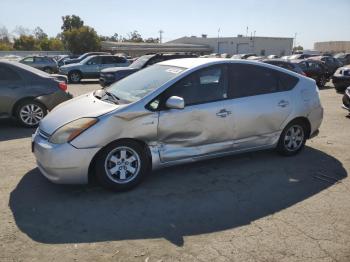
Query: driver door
pixel 201 128
pixel 92 67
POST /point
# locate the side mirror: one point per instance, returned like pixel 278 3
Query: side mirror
pixel 175 102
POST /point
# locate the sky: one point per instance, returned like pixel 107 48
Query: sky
pixel 310 20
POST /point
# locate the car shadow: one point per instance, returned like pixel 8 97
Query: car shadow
pixel 10 129
pixel 187 200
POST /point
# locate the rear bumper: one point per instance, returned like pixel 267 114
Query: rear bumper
pixel 62 164
pixel 315 117
pixel 346 101
pixel 52 100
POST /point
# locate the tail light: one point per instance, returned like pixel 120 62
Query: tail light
pixel 63 86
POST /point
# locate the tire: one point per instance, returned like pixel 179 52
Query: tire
pixel 74 77
pixel 120 171
pixel 296 131
pixel 29 113
pixel 48 70
pixel 322 81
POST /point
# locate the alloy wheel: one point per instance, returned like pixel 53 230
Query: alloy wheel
pixel 294 138
pixel 122 165
pixel 31 114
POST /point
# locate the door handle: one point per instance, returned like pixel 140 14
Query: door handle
pixel 223 113
pixel 283 103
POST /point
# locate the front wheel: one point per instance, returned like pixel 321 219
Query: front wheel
pixel 292 139
pixel 122 165
pixel 74 77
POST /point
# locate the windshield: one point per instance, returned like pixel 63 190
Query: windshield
pixel 140 62
pixel 143 82
pixel 339 56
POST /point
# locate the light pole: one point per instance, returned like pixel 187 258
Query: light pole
pixel 160 35
pixel 218 41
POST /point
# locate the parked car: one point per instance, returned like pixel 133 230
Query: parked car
pixel 83 56
pixel 299 56
pixel 110 75
pixel 341 78
pixel 27 93
pixel 332 63
pixel 285 64
pixel 272 57
pixel 315 70
pixel 44 63
pixel 62 59
pixel 343 57
pixel 242 56
pixel 346 99
pixel 91 67
pixel 174 112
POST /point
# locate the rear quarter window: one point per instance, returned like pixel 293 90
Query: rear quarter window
pixel 287 82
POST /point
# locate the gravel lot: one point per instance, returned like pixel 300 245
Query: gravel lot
pixel 252 207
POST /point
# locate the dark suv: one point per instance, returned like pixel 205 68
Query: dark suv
pixel 110 75
pixel 285 64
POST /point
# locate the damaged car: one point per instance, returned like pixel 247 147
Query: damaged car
pixel 174 112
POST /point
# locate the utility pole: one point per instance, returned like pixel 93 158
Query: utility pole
pixel 218 41
pixel 160 35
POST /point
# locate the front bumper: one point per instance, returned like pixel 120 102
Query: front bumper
pixel 62 164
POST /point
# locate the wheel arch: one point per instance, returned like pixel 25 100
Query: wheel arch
pixel 305 121
pixel 21 100
pixel 91 175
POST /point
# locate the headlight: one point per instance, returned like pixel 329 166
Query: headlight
pixel 71 130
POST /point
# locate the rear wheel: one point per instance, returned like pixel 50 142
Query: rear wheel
pixel 322 81
pixel 122 165
pixel 29 113
pixel 74 77
pixel 292 139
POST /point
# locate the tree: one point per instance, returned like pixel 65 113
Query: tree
pixel 81 40
pixel 20 30
pixel 152 40
pixel 296 48
pixel 133 37
pixel 26 42
pixel 71 22
pixel 4 35
pixel 40 34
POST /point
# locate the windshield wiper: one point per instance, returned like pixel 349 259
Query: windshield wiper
pixel 113 96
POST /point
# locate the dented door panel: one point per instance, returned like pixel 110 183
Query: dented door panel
pixel 193 131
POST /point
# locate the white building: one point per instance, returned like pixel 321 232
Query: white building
pixel 241 44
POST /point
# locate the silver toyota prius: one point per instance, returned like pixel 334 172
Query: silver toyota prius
pixel 175 112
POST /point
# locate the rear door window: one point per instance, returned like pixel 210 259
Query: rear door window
pixel 250 80
pixel 8 74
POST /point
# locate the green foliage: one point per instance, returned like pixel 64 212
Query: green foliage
pixel 133 37
pixel 5 46
pixel 71 22
pixel 81 40
pixel 39 33
pixel 299 47
pixel 26 42
pixel 51 44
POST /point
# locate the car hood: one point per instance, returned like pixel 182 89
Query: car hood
pixel 118 69
pixel 83 106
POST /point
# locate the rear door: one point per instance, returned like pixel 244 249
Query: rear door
pixel 11 87
pixel 260 103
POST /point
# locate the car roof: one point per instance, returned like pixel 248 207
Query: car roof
pixel 190 63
